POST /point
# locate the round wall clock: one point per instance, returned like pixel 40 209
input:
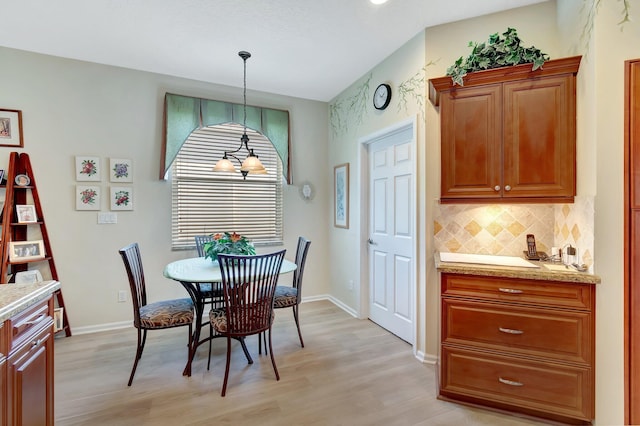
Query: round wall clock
pixel 382 96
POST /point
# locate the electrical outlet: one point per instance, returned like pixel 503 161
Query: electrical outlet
pixel 351 285
pixel 122 296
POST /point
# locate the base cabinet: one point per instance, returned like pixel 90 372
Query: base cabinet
pixel 519 345
pixel 29 367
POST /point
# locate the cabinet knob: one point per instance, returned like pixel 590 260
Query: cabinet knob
pixel 507 188
pixel 497 188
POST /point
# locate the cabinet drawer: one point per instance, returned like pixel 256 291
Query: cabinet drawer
pixel 561 335
pixel 26 324
pixel 544 293
pixel 508 382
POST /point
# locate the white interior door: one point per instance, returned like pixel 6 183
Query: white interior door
pixel 391 233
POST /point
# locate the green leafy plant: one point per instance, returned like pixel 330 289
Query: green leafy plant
pixel 227 243
pixel 500 50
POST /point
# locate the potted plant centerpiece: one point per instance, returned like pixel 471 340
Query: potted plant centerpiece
pixel 227 243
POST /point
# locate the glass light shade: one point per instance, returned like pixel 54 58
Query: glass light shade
pixel 253 165
pixel 224 165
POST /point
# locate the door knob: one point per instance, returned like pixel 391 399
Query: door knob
pixel 371 242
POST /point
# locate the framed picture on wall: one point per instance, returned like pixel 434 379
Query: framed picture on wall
pixel 341 195
pixel 88 197
pixel 11 128
pixel 121 198
pixel 120 170
pixel 88 169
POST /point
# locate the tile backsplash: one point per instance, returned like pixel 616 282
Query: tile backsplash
pixel 501 229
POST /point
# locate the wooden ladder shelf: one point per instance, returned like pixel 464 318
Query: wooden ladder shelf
pixel 14 230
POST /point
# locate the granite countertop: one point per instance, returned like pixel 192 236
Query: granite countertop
pixel 15 298
pixel 539 273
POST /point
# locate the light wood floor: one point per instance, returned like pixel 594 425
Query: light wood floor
pixel 351 372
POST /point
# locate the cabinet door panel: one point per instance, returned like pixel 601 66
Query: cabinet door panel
pixel 471 142
pixel 550 389
pixel 561 335
pixel 30 375
pixel 520 291
pixel 539 137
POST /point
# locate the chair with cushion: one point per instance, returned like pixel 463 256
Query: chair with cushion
pixel 290 296
pixel 249 285
pixel 151 316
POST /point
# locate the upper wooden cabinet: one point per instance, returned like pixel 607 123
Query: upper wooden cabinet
pixel 509 134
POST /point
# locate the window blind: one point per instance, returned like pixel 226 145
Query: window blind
pixel 206 202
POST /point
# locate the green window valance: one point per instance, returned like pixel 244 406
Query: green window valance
pixel 184 114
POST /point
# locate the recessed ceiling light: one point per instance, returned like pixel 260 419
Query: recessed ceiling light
pixel 378 1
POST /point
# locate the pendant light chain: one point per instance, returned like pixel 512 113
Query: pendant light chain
pixel 251 163
pixel 244 58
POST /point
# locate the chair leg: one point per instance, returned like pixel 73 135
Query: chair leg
pixel 246 351
pixel 273 361
pixel 262 337
pixel 210 340
pixel 142 337
pixel 226 370
pixel 295 316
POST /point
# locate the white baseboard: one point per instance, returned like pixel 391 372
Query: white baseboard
pixel 101 327
pixel 126 324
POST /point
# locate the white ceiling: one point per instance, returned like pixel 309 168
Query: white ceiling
pixel 302 48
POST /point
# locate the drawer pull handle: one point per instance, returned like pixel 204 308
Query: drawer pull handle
pixel 35 321
pixel 509 382
pixel 510 290
pixel 510 330
pixel 36 343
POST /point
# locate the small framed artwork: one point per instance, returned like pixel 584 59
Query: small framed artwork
pixel 88 197
pixel 26 213
pixel 88 169
pixel 28 277
pixel 26 250
pixel 121 198
pixel 120 170
pixel 22 180
pixel 58 319
pixel 11 128
pixel 341 195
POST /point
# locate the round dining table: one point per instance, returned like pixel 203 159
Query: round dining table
pixel 200 276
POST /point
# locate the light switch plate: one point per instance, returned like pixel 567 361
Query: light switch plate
pixel 107 217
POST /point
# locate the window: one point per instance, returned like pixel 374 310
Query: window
pixel 206 202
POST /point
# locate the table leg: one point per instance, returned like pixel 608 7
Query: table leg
pixel 196 297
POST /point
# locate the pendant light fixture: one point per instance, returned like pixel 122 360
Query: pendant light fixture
pixel 252 163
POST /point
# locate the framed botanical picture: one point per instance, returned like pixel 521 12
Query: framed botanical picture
pixel 26 213
pixel 341 196
pixel 26 250
pixel 120 170
pixel 88 169
pixel 11 128
pixel 88 197
pixel 121 198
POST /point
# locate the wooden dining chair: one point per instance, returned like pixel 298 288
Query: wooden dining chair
pixel 151 316
pixel 249 285
pixel 291 296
